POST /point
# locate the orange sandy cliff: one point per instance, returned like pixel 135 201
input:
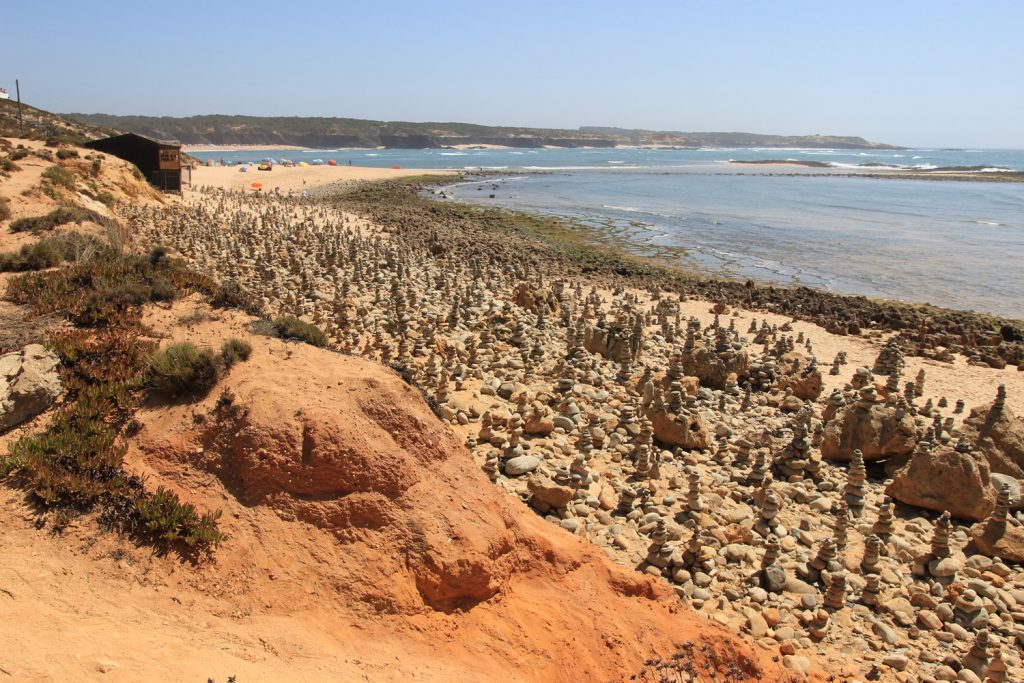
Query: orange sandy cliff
pixel 363 542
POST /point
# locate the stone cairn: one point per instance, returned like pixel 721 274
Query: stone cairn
pixel 872 555
pixel 890 359
pixel 883 526
pixel 855 490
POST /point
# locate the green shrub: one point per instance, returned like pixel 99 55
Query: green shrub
pixel 96 165
pixel 60 176
pixel 59 216
pixel 5 208
pixel 8 166
pixel 77 460
pixel 67 153
pixel 19 154
pixel 183 368
pixel 37 256
pixel 235 350
pixel 290 327
pixel 49 252
pixel 166 518
pixel 163 289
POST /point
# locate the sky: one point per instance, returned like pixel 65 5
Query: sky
pixel 932 74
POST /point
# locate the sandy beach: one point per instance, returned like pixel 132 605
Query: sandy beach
pixel 296 178
pixel 238 148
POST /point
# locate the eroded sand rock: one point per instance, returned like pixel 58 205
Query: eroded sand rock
pixel 877 430
pixel 946 480
pixel 799 373
pixel 999 434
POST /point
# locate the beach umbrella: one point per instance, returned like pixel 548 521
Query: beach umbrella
pixel 396 167
pixel 257 186
pixel 332 162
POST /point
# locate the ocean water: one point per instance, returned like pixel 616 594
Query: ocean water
pixel 952 244
pixel 621 159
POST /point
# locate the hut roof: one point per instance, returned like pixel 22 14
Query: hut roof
pixel 126 136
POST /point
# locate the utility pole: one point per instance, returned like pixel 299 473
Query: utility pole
pixel 21 121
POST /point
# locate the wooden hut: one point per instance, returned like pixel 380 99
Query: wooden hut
pixel 159 160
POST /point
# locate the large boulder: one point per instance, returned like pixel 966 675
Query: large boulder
pixel 1000 436
pixel 793 374
pixel 1004 540
pixel 533 297
pixel 946 480
pixel 29 383
pixel 613 342
pixel 876 431
pixel 686 430
pixel 714 368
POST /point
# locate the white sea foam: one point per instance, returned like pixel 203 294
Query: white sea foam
pixel 992 223
pixel 453 154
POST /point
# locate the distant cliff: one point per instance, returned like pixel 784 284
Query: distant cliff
pixel 324 132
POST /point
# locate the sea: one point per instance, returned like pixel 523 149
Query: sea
pixel 954 244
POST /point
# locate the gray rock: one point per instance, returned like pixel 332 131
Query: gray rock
pixel 562 422
pixel 521 465
pixel 775 578
pixel 570 525
pixel 29 383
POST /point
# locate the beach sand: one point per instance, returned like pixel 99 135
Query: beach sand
pixel 237 148
pixel 296 178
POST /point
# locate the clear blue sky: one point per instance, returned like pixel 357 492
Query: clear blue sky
pixel 916 73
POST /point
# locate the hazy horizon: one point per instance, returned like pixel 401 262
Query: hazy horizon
pixel 914 74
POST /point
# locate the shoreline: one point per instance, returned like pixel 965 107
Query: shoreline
pixel 972 174
pixel 593 252
pixel 607 234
